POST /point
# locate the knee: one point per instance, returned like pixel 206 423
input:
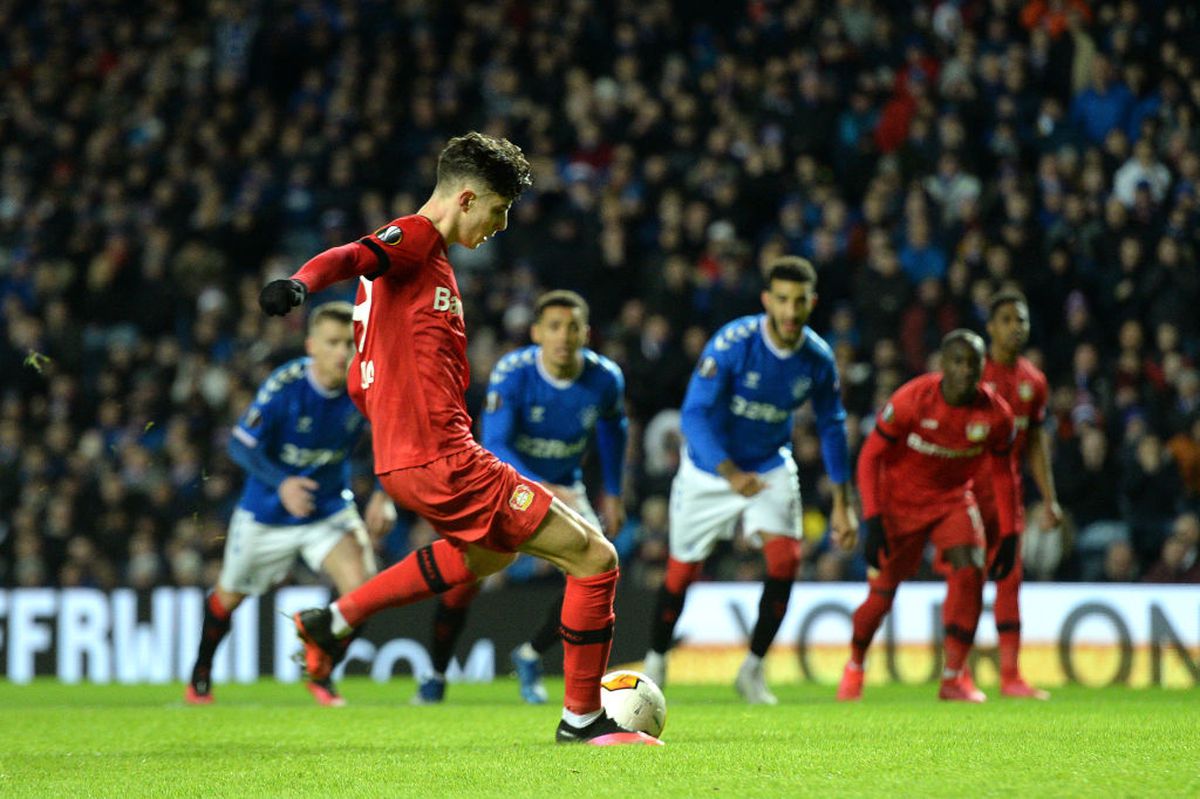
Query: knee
pixel 965 557
pixel 600 556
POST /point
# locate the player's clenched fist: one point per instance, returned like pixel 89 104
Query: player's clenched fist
pixel 280 296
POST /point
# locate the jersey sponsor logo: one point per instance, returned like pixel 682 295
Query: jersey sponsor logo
pixel 493 401
pixel 929 424
pixel 549 448
pixel 977 431
pixel 758 411
pixel 301 457
pixel 1025 391
pixel 708 367
pixel 522 497
pixel 924 447
pixel 444 300
pixel 390 234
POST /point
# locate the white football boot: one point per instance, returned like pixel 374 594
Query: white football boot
pixel 751 683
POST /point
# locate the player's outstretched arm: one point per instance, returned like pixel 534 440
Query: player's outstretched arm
pixel 334 265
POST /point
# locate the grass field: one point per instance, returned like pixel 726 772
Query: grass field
pixel 268 739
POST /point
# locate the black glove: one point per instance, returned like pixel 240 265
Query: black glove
pixel 1006 557
pixel 280 296
pixel 876 541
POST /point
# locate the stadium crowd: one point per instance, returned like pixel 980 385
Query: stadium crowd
pixel 161 161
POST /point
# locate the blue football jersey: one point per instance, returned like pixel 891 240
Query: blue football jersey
pixel 743 394
pixel 541 425
pixel 303 429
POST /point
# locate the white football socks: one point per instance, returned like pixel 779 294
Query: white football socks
pixel 579 721
pixel 339 626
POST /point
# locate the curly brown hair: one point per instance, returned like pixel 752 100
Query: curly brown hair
pixel 498 162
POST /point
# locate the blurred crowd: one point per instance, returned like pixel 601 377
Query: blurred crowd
pixel 161 160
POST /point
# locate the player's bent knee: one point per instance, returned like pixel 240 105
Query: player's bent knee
pixel 601 555
pixel 964 557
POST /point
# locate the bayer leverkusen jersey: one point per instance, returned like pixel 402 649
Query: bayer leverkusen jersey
pixel 940 447
pixel 1024 388
pixel 409 372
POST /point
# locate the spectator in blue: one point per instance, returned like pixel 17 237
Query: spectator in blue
pixel 920 258
pixel 1104 106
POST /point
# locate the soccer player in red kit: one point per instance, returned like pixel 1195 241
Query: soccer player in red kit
pixel 1023 386
pixel 915 473
pixel 408 376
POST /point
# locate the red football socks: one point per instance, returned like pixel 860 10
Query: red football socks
pixel 960 614
pixel 432 569
pixel 587 628
pixel 867 619
pixel 1007 613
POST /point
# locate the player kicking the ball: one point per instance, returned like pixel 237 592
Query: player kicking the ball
pixel 543 404
pixel 1023 386
pixel 737 420
pixel 293 442
pixel 915 473
pixel 408 376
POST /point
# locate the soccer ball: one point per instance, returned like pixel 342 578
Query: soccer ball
pixel 634 701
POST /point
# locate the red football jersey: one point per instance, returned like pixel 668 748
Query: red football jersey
pixel 410 371
pixel 1024 388
pixel 936 448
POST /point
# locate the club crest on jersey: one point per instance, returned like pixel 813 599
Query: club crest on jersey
pixel 800 387
pixel 977 431
pixel 522 497
pixel 493 401
pixel 708 367
pixel 588 416
pixel 253 418
pixel 1025 391
pixel 304 424
pixel 888 413
pixel 390 234
pixel 752 379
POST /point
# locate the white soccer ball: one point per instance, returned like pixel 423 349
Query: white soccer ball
pixel 634 701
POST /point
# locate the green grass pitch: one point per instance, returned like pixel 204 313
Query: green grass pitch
pixel 268 739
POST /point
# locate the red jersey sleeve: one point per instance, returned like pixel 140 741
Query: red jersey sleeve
pixel 391 250
pixel 894 420
pixel 891 425
pixel 1004 466
pixel 1041 397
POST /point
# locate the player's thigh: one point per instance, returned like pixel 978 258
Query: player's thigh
pixel 776 510
pixel 565 539
pixel 320 537
pixel 704 509
pixel 257 556
pixel 905 551
pixel 960 529
pixel 483 561
pixel 346 563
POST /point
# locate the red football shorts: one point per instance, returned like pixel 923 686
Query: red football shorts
pixel 472 497
pixel 907 535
